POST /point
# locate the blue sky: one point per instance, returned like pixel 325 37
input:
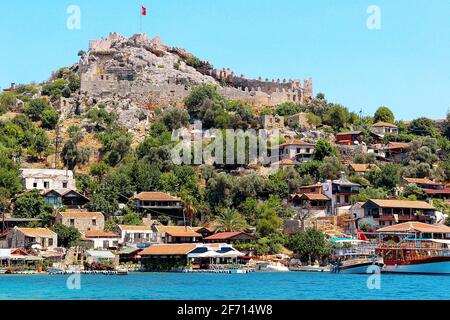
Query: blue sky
pixel 405 65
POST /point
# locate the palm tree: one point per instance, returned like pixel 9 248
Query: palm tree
pixel 230 220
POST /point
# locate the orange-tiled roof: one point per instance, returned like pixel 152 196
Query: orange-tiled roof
pixel 347 133
pixel 37 232
pixel 385 124
pixel 133 228
pixel 316 196
pixel 360 167
pixel 156 196
pixel 405 204
pixel 296 142
pixel 415 226
pixel 168 250
pixel 178 231
pixel 100 234
pixel 397 145
pixel 422 181
pixel 225 235
pixel 210 229
pixel 81 214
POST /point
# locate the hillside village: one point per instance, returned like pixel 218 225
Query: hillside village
pixel 87 178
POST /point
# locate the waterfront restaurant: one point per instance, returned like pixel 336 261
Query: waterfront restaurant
pixel 170 257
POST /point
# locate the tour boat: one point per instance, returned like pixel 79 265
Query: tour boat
pixel 423 256
pixel 354 256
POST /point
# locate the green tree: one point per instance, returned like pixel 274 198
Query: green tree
pixel 99 170
pixel 230 220
pixel 311 245
pixel 324 149
pixel 423 127
pixel 174 118
pixel 269 222
pixel 49 118
pixel 387 176
pixel 369 193
pixel 31 205
pixel 384 114
pixel 331 168
pixel 66 235
pixel 35 108
pixel 132 219
pixel 337 117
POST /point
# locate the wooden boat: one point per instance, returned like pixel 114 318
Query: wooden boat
pixel 422 256
pixel 353 256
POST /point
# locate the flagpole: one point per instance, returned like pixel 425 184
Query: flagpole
pixel 140 20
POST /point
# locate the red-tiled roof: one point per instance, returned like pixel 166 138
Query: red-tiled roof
pixel 100 234
pixel 437 191
pixel 348 132
pixel 297 142
pixel 225 235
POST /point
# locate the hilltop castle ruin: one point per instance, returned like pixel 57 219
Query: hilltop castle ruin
pixel 138 67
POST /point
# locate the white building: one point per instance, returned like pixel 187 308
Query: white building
pixel 297 150
pixel 47 179
pixel 102 239
pixel 382 128
pixel 137 235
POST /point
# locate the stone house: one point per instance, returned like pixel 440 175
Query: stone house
pixel 82 221
pixel 299 120
pixel 47 179
pixel 26 237
pixel 381 128
pixel 269 121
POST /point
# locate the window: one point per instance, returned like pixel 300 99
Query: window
pixel 50 242
pixel 72 222
pixel 34 185
pixel 105 244
pixel 94 222
pixel 46 185
pixel 64 185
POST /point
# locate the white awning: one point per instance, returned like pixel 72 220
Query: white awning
pixel 97 254
pixel 207 254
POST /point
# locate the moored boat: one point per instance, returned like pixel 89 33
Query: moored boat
pixel 422 256
pixel 353 256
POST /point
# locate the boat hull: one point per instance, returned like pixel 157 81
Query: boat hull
pixel 358 268
pixel 442 267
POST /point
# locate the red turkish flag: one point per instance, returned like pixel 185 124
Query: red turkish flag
pixel 144 11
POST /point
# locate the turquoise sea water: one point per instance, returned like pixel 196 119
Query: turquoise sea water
pixel 264 286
